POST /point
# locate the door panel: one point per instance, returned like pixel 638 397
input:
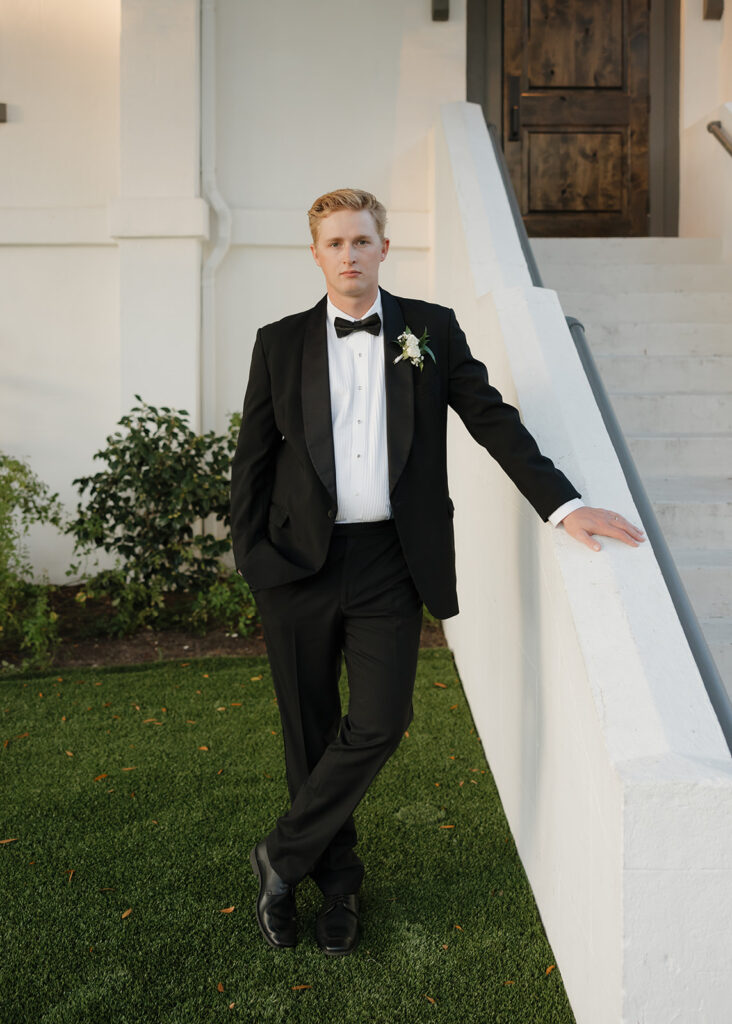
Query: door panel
pixel 576 106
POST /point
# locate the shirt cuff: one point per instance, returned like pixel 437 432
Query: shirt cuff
pixel 569 506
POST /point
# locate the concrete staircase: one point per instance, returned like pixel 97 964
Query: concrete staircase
pixel 657 314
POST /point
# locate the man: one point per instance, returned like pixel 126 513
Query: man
pixel 342 525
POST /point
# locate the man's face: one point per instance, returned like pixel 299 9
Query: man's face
pixel 349 252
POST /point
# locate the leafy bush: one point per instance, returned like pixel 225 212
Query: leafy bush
pixel 27 622
pixel 149 507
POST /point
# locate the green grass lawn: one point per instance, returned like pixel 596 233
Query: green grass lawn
pixel 133 797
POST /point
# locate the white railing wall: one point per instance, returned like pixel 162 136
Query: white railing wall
pixel 611 765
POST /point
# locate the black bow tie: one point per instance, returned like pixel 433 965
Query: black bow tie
pixel 372 324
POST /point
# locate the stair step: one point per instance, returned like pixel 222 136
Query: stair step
pixel 601 277
pixel 707 576
pixel 693 512
pixel 648 307
pixel 641 249
pixel 682 454
pixel 673 373
pixel 702 339
pixel 651 413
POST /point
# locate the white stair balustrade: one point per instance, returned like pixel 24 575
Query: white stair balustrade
pixel 657 314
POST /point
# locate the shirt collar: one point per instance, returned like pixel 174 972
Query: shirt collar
pixel 333 312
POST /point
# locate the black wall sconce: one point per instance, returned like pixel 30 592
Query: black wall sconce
pixel 440 10
pixel 713 10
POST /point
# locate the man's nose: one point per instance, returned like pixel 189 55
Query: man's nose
pixel 349 253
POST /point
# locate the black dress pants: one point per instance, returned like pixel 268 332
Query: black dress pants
pixel 362 605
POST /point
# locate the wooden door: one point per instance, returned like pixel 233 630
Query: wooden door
pixel 576 113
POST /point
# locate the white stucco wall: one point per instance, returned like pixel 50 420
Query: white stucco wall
pixel 59 306
pixel 705 86
pixel 105 218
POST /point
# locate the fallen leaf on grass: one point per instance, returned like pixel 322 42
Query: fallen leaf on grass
pixel 232 1005
pixel 255 679
pixel 509 982
pixel 203 748
pixel 459 927
pixel 447 826
pixel 70 753
pixel 444 945
pixel 443 686
pixel 70 873
pixel 15 840
pixel 226 910
pixel 220 987
pixel 132 768
pixel 127 913
pixel 452 707
pixel 299 988
pixel 430 1000
pixel 550 968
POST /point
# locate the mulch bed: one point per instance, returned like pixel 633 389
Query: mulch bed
pixel 83 641
pixel 153 645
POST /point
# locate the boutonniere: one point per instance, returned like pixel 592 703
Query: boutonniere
pixel 414 348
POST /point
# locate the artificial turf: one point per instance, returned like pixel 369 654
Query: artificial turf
pixel 132 798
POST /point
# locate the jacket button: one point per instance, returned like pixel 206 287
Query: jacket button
pixel 331 513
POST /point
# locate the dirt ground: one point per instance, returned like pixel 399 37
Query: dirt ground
pixel 150 645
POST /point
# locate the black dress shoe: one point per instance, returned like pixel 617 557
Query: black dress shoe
pixel 336 927
pixel 275 903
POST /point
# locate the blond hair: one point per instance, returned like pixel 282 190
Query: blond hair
pixel 346 199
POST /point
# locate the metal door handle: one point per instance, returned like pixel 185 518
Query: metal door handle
pixel 514 100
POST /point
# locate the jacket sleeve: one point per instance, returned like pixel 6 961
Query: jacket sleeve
pixel 252 467
pixel 497 426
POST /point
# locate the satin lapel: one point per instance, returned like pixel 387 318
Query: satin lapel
pixel 399 381
pixel 315 390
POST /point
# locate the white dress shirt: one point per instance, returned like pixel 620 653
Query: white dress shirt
pixel 358 415
pixel 358 411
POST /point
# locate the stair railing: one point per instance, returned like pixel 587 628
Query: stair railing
pixel 715 127
pixel 706 664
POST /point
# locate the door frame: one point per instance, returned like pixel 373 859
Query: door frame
pixel 484 76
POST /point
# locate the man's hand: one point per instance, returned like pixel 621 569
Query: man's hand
pixel 584 522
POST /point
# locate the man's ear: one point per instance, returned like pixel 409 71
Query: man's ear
pixel 315 254
pixel 384 249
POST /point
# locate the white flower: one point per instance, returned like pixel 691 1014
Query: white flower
pixel 414 348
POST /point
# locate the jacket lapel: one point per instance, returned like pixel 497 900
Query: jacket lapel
pixel 399 381
pixel 315 390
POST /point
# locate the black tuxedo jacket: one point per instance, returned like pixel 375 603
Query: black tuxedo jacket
pixel 283 486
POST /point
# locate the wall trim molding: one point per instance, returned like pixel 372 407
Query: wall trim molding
pixel 181 217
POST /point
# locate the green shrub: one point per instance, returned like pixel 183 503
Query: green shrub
pixel 150 507
pixel 27 622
